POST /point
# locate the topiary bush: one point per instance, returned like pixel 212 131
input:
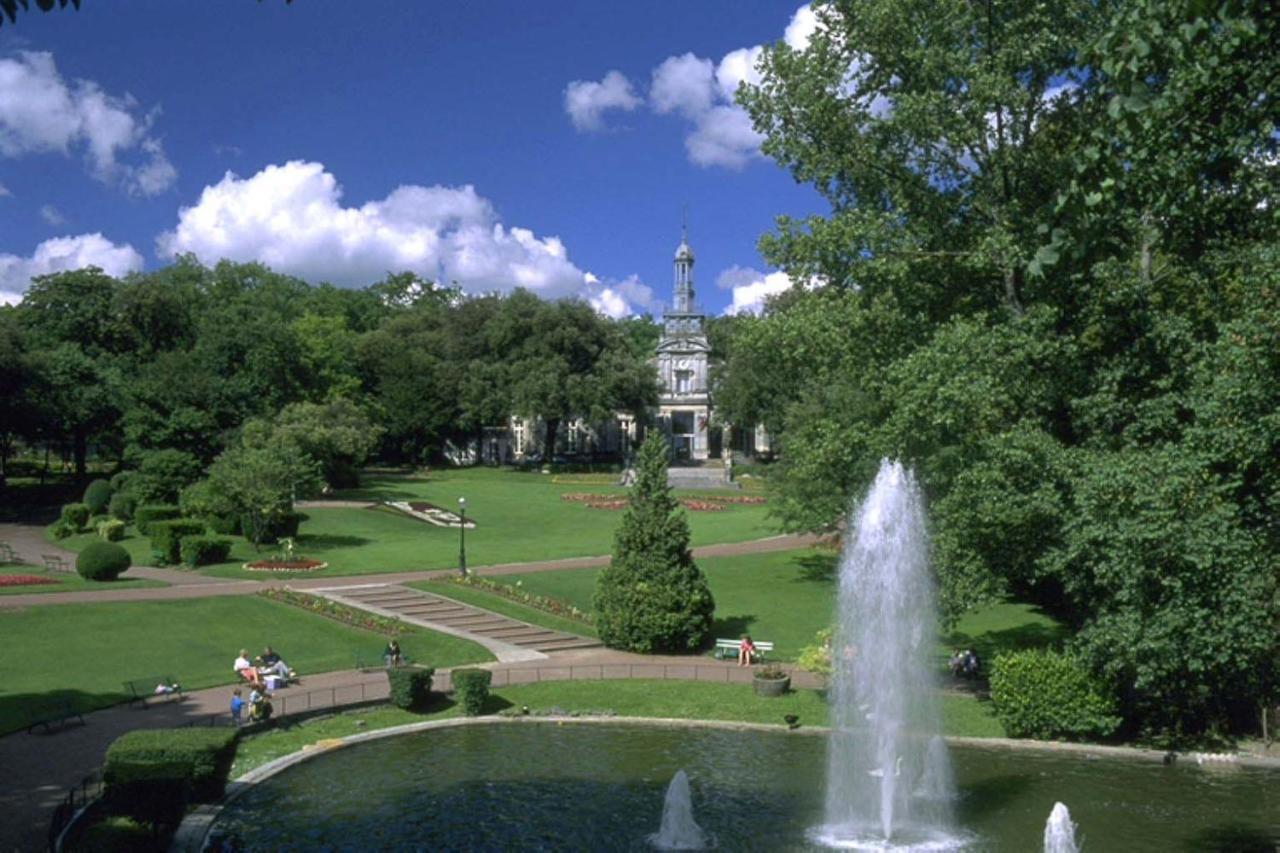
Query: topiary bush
pixel 200 550
pixel 410 686
pixel 75 515
pixel 1047 695
pixel 652 597
pixel 96 496
pixel 471 689
pixel 166 538
pixel 151 775
pixel 103 561
pixel 122 506
pixel 112 529
pixel 148 513
pixel 62 530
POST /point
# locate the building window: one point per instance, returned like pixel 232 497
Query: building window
pixel 684 381
pixel 682 423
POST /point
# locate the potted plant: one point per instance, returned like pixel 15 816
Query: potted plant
pixel 771 680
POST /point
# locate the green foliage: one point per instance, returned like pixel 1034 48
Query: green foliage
pixel 102 561
pixel 147 513
pixel 75 515
pixel 410 686
pixel 166 538
pixel 151 775
pixel 337 435
pixel 653 597
pixel 122 506
pixel 816 657
pixel 96 496
pixel 162 474
pixel 63 530
pixel 112 529
pixel 1043 694
pixel 471 687
pixel 261 482
pixel 203 550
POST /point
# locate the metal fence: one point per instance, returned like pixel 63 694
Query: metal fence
pixel 78 797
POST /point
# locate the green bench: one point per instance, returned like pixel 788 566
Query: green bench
pixel 727 649
pixel 366 661
pixel 56 714
pixel 141 689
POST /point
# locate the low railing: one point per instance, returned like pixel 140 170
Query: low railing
pixel 72 806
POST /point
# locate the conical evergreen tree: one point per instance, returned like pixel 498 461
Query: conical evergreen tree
pixel 653 597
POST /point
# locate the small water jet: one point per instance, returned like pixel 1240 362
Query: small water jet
pixel 889 783
pixel 1059 831
pixel 678 830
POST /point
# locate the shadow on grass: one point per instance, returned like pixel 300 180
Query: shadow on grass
pixel 495 704
pixel 731 627
pixel 375 493
pixel 325 540
pixel 817 568
pixel 991 643
pixel 18 711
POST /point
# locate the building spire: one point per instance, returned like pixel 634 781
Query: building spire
pixel 684 268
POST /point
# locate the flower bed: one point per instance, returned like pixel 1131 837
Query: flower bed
pixel 709 503
pixel 430 513
pixel 544 603
pixel 339 612
pixel 285 566
pixel 24 580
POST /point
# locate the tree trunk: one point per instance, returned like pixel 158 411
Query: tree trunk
pixel 553 426
pixel 81 450
pixel 1012 287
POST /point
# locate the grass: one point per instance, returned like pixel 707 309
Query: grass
pixel 84 652
pixel 689 700
pixel 519 516
pixel 784 597
pixel 67 582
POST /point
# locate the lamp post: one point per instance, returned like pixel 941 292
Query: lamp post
pixel 462 536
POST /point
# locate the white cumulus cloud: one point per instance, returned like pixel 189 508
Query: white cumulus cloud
pixel 291 217
pixel 683 84
pixel 40 112
pixel 751 288
pixel 619 299
pixel 65 253
pixel 52 215
pixel 586 101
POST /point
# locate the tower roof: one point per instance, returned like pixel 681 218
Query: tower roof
pixel 683 252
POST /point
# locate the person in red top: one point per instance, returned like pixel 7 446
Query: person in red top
pixel 745 650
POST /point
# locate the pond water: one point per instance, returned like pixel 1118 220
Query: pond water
pixel 542 786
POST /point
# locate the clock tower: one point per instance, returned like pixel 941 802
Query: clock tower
pixel 684 403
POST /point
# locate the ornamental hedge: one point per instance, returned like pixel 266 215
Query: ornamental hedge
pixel 166 538
pixel 201 550
pixel 147 513
pixel 122 506
pixel 96 496
pixel 1047 695
pixel 410 686
pixel 111 529
pixel 151 775
pixel 102 561
pixel 471 689
pixel 75 515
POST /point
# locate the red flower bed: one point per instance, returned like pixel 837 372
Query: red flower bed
pixel 688 503
pixel 585 497
pixel 284 566
pixel 736 499
pixel 23 580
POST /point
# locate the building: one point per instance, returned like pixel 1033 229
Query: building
pixel 684 405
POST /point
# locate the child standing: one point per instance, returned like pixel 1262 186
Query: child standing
pixel 237 707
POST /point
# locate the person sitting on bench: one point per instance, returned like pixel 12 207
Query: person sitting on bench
pixel 745 650
pixel 391 654
pixel 244 668
pixel 271 664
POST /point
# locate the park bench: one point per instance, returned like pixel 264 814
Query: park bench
pixel 142 689
pixel 55 714
pixel 728 649
pixel 7 554
pixel 54 563
pixel 366 661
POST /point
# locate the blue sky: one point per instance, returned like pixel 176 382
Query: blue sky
pixel 491 143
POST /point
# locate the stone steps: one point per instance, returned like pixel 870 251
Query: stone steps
pixel 459 617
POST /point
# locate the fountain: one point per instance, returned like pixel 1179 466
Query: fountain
pixel 889 782
pixel 1059 831
pixel 678 830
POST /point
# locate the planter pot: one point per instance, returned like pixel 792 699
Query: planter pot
pixel 771 686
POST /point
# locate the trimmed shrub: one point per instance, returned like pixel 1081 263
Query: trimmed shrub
pixel 62 530
pixel 148 513
pixel 122 506
pixel 111 529
pixel 151 775
pixel 471 688
pixel 285 526
pixel 103 561
pixel 1043 694
pixel 410 686
pixel 96 496
pixel 166 538
pixel 76 515
pixel 120 482
pixel 228 525
pixel 203 550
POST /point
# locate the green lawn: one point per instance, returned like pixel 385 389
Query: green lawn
pixel 519 517
pixel 498 604
pixel 785 597
pixel 67 582
pixel 84 652
pixel 961 715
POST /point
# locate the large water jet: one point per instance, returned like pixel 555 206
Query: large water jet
pixel 889 783
pixel 678 830
pixel 1059 831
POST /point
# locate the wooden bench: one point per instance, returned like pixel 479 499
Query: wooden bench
pixel 54 563
pixel 728 649
pixel 142 689
pixel 56 714
pixel 366 662
pixel 7 554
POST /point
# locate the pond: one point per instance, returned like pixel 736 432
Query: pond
pixel 543 786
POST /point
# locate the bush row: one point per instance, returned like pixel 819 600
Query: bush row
pixel 1043 694
pixel 471 689
pixel 166 538
pixel 151 775
pixel 410 686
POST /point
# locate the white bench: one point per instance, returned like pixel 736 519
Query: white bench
pixel 726 649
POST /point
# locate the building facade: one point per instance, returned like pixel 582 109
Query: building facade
pixel 682 360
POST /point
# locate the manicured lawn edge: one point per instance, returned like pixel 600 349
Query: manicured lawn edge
pixel 68 582
pixel 504 606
